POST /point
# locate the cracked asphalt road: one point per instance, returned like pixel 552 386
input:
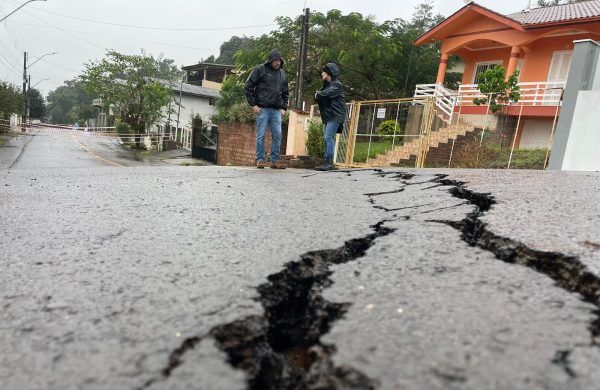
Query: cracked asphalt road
pixel 107 270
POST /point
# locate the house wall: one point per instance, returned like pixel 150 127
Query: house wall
pixel 537 57
pixel 190 105
pixel 473 57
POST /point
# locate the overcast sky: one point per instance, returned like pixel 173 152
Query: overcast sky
pixel 43 27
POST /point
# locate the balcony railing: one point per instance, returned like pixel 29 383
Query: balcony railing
pixel 532 94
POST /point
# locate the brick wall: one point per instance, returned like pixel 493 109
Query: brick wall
pixel 236 144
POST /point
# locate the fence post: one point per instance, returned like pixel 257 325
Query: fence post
pixel 558 105
pixel 512 149
pixel 426 125
pixel 487 113
pixel 371 134
pixel 352 133
pixel 457 125
pixel 391 154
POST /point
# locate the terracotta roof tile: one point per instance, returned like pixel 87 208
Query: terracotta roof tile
pixel 582 10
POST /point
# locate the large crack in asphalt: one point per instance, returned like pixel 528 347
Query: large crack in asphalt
pixel 282 348
pixel 568 272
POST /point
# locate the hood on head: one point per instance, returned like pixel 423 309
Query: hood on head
pixel 332 69
pixel 275 55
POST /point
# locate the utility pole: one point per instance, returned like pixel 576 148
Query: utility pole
pixel 24 116
pixel 298 96
pixel 28 96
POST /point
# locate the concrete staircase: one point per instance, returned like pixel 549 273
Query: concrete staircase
pixel 412 148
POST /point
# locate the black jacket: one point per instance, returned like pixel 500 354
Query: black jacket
pixel 267 87
pixel 331 98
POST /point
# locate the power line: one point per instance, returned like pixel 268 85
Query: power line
pixel 125 38
pixel 58 66
pixel 8 52
pixel 66 32
pixel 10 64
pixel 152 27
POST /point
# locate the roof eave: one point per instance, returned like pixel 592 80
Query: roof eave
pixel 473 7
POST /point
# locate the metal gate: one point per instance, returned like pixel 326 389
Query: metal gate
pixel 381 133
pixel 204 144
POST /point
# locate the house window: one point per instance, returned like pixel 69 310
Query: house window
pixel 481 67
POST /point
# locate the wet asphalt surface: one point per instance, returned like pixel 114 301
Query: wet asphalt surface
pixel 110 264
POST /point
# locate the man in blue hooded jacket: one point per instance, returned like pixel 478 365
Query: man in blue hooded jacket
pixel 332 105
pixel 267 93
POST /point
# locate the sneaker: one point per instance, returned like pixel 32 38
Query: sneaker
pixel 261 164
pixel 326 166
pixel 278 165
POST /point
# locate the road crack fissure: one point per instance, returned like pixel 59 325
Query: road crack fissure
pixel 282 348
pixel 568 272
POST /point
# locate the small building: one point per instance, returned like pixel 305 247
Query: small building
pixel 207 75
pixel 187 101
pixel 536 42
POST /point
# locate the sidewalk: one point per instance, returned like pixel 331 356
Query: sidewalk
pixel 11 147
pixel 179 157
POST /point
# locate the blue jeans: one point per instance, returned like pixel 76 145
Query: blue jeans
pixel 268 117
pixel 329 131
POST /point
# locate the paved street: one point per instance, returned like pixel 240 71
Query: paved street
pixel 120 272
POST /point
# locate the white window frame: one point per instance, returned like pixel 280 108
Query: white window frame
pixel 477 64
pixel 552 61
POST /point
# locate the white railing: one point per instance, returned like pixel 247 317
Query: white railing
pixel 532 94
pixel 445 99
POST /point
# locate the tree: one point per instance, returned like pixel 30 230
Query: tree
pixel 37 105
pixel 138 86
pixel 419 64
pixel 229 48
pixel 209 60
pixel 11 100
pixel 377 60
pixel 70 103
pixel 498 92
pixel 231 106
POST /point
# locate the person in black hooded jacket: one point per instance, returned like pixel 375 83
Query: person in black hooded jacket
pixel 267 92
pixel 332 105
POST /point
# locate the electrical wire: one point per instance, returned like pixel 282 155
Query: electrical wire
pixel 10 64
pixel 9 67
pixel 66 32
pixel 8 52
pixel 152 27
pixel 126 38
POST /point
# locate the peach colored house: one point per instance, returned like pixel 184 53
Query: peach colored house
pixel 536 42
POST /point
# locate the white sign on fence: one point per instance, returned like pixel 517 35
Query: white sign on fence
pixel 381 113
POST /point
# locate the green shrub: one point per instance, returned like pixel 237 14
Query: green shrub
pixel 474 155
pixel 314 144
pixel 229 104
pixel 388 129
pixel 499 93
pixel 124 128
pixel 196 120
pixel 522 159
pixel 241 113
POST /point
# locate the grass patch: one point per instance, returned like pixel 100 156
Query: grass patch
pixel 471 155
pixel 522 158
pixel 377 147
